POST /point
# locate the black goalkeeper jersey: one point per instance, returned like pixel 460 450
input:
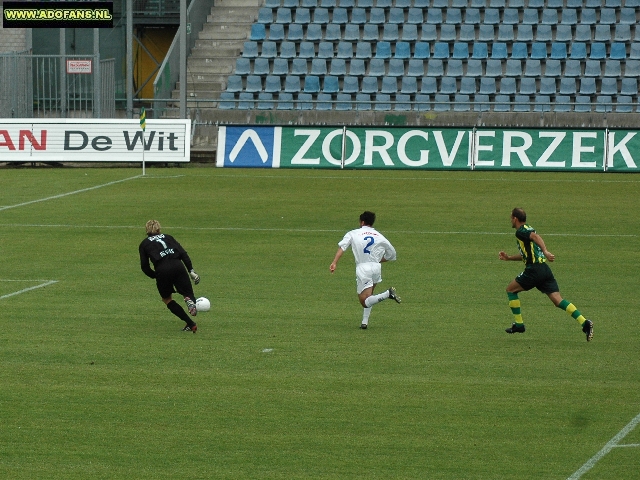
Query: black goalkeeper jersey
pixel 158 248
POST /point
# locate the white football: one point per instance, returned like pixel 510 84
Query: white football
pixel 203 304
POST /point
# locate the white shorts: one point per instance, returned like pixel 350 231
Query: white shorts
pixel 367 274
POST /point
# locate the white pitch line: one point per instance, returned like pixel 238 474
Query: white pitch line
pixel 606 449
pixel 61 195
pixel 50 282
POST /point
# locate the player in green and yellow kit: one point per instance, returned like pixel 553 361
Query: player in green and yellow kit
pixel 534 254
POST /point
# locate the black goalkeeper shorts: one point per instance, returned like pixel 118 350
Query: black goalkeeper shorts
pixel 171 277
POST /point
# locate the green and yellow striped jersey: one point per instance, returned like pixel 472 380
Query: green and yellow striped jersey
pixel 531 252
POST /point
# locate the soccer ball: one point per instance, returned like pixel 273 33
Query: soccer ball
pixel 203 304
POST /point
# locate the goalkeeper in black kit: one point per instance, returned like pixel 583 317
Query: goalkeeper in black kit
pixel 169 260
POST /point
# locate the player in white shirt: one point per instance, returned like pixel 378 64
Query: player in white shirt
pixel 370 248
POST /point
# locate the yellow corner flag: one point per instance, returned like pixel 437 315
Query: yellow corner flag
pixel 143 118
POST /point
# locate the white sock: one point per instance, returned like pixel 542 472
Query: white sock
pixel 373 299
pixel 365 315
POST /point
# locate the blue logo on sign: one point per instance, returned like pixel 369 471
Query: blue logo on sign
pixel 249 147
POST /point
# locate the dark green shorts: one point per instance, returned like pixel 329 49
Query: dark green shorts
pixel 540 276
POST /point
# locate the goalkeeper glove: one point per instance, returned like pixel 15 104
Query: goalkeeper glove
pixel 195 276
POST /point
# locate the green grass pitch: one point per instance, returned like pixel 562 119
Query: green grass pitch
pixel 97 380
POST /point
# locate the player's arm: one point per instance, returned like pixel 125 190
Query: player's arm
pixel 506 257
pixel 144 264
pixel 538 241
pixel 334 264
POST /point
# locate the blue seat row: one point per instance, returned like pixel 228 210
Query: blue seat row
pixel 424 102
pixel 452 3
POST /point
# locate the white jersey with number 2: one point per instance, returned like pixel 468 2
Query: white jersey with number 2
pixel 368 245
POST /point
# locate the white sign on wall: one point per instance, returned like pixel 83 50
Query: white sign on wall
pixel 94 140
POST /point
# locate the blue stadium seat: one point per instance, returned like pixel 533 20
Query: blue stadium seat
pixel 544 33
pixel 265 15
pixel 314 32
pixel 547 85
pixel 402 102
pixel 396 67
pixel 403 50
pixel 325 50
pixel 363 101
pixel 508 86
pixel 441 50
pixel 460 50
pixel 454 16
pixel 607 16
pixel 290 3
pixel 324 102
pixel 499 50
pixel 370 33
pixel 513 68
pixel 403 3
pixel 396 15
pixel 454 68
pixel 318 66
pixel 538 51
pixel 377 16
pixel 258 32
pixel 370 85
pixel 365 3
pixel 524 33
pixel 307 50
pixel 609 86
pixel 280 66
pixel 321 16
pixel 472 16
pixel 351 33
pixel 549 16
pixel 478 3
pixel 505 33
pixel 578 51
pixel 604 103
pixel 527 86
pixel 569 16
pixel 384 4
pixel 422 50
pixel 486 33
pixel 583 33
pixel 587 86
pixel 338 67
pixel 234 83
pixel 519 51
pixel 243 66
pixel 575 3
pixel 273 84
pixel 497 3
pixel 343 102
pixel 261 66
pixel 350 84
pixel 295 33
pixel 356 67
pixel 287 50
pixel 516 3
pixel 285 101
pixel 416 67
pixel 624 104
pixel 333 32
pixel 227 101
pixel 330 84
pixel 447 33
pixel 409 85
pixel 312 84
pixel 628 86
pixel 442 103
pixel 510 17
pixel 553 68
pixel 383 102
pixel 558 51
pixel 309 3
pixel 468 85
pixel 481 103
pixel 488 86
pixel 603 33
pixel 627 16
pixel 409 33
pixel 618 51
pixel 522 103
pixel 613 3
pixel 572 68
pixel 588 16
pixel 592 68
pixel 562 103
pixel 390 32
pixel 250 49
pixel 428 33
pixel 340 16
pixel 467 33
pixel 474 68
pixel 435 68
pixel 359 16
pixel 246 101
pixel 530 17
pixel 632 68
pixel 283 15
pixel 389 85
pixel 363 50
pixel 434 16
pixel 634 51
pixel 583 104
pixel 502 103
pixel 292 84
pixel 491 16
pixel 479 50
pixel 265 101
pixel 598 51
pixel 424 3
pixel 623 33
pixel 345 50
pixel 383 50
pixel 429 85
pixel 612 68
pixel 564 33
pixel 536 4
pixel 299 66
pixel 269 50
pixel 542 103
pixel 567 86
pixel 276 32
pixel 272 3
pixel 532 68
pixel 461 103
pixel 415 16
pixel 377 67
pixel 493 68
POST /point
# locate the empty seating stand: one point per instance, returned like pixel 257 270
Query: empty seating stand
pixel 440 55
